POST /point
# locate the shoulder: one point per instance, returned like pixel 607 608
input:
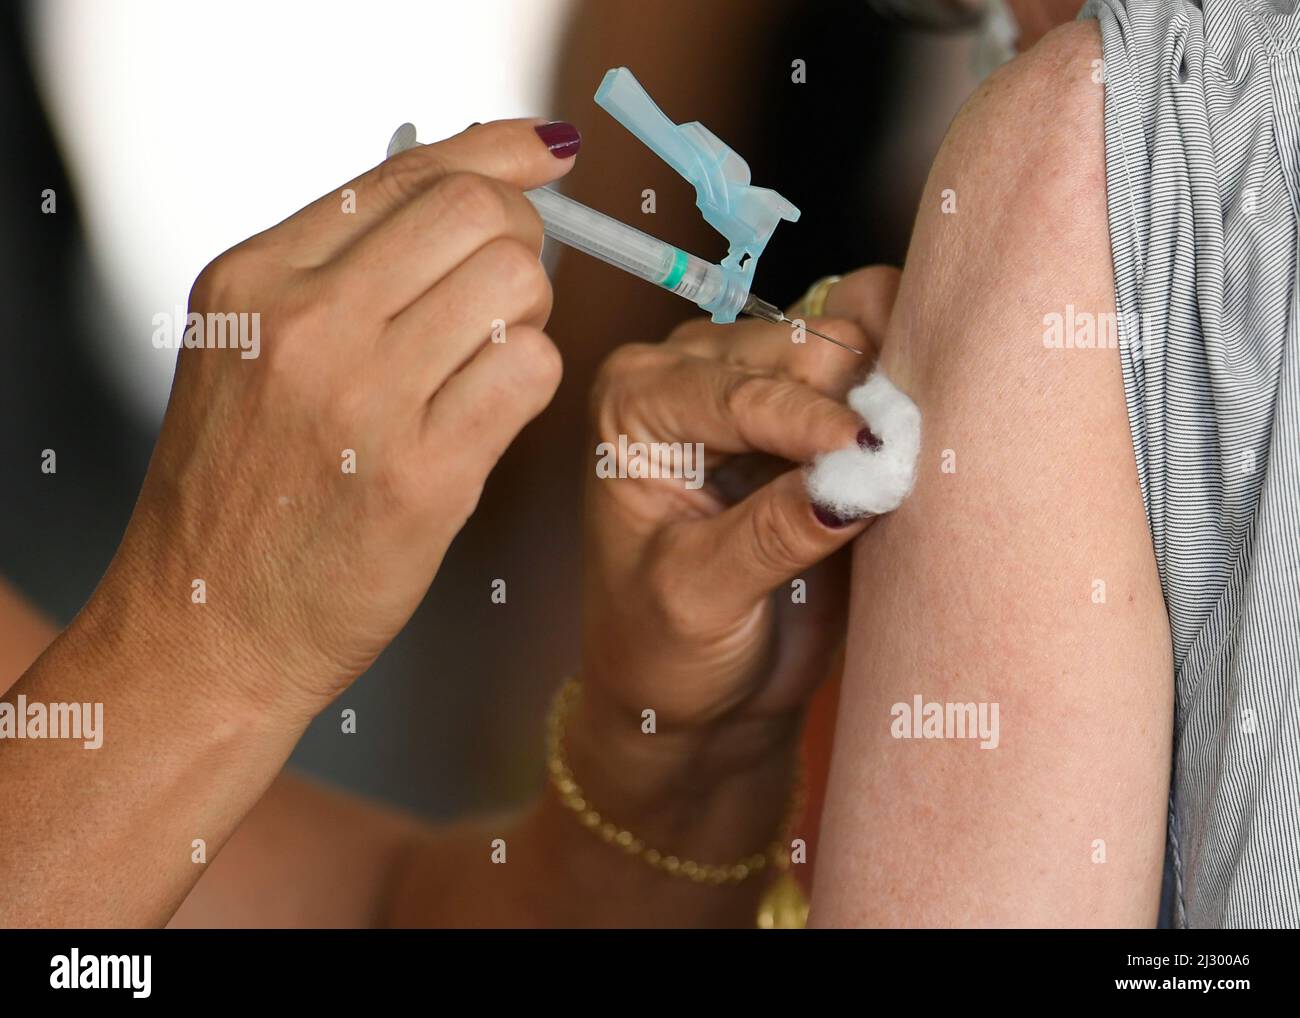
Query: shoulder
pixel 1013 221
pixel 1036 124
pixel 1060 71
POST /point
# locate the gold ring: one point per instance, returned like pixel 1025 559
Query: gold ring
pixel 813 303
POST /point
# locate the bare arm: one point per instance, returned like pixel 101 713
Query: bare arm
pixel 984 587
pixel 310 856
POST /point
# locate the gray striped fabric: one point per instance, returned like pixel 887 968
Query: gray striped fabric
pixel 1202 121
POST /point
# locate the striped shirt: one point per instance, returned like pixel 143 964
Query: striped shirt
pixel 1202 127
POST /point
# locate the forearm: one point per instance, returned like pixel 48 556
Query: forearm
pixel 106 836
pixel 307 856
pixel 173 769
pixel 315 857
pixel 303 856
pixel 708 801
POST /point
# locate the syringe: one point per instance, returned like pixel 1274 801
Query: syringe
pixel 627 248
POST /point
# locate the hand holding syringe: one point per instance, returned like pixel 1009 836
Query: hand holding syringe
pixel 744 214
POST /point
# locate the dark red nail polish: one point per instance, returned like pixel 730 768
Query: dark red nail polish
pixel 477 123
pixel 829 519
pixel 867 440
pixel 561 138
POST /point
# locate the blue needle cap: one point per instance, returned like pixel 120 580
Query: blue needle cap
pixel 746 215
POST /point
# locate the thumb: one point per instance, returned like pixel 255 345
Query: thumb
pixel 768 539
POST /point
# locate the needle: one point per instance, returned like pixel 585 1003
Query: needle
pixel 759 308
pixel 829 339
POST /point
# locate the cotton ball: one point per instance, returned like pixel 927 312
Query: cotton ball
pixel 856 482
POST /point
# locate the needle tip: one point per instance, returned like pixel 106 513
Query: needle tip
pixel 820 335
pixel 842 346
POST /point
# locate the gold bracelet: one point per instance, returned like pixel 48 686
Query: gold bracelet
pixel 574 799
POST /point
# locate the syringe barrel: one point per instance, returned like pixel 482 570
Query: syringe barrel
pixel 629 249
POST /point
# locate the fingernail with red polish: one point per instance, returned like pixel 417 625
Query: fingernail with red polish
pixel 477 123
pixel 561 138
pixel 867 440
pixel 829 519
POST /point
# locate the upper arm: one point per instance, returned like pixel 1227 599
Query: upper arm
pixel 1020 572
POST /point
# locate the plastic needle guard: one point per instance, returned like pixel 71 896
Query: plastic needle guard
pixel 744 214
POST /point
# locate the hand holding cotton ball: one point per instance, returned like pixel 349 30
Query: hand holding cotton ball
pixel 873 479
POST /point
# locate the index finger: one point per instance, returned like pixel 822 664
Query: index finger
pixel 728 409
pixel 522 153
